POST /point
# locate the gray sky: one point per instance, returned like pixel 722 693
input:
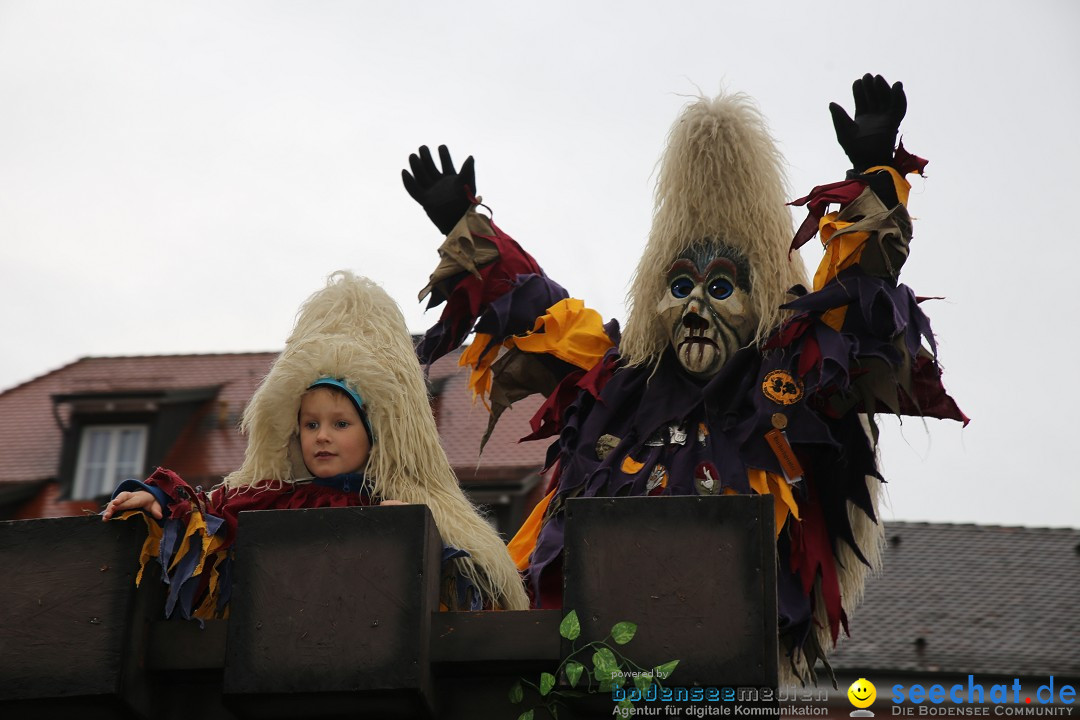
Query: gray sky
pixel 178 177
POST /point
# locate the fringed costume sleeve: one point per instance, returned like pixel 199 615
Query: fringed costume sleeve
pixel 193 541
pixel 530 337
pixel 859 337
pixel 856 345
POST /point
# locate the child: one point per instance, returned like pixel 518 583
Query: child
pixel 342 419
pixel 335 438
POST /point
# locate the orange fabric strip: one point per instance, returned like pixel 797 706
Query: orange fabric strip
pixel 783 452
pixel 521 547
pixel 480 362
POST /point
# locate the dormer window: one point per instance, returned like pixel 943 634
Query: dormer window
pixel 107 455
pixel 113 436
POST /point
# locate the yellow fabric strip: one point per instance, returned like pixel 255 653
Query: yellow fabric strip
pixel 213 543
pixel 758 482
pixel 780 488
pixel 151 546
pixel 630 466
pixel 208 607
pixel 521 547
pixel 903 187
pixel 767 483
pixel 835 318
pixel 209 543
pixel 571 332
pixel 838 255
pixel 196 523
pixel 847 251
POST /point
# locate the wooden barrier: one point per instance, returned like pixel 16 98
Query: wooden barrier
pixel 73 628
pixel 697 575
pixel 334 614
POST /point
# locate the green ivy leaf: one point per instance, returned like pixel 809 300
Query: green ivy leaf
pixel 570 627
pixel 625 703
pixel 547 681
pixel 516 693
pixel 663 671
pixel 642 682
pixel 606 658
pixel 605 686
pixel 605 664
pixel 623 632
pixel 527 715
pixel 573 672
pixel 554 710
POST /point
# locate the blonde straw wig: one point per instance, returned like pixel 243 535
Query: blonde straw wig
pixel 354 331
pixel 721 180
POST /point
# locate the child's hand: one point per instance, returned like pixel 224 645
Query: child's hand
pixel 139 500
pixel 393 502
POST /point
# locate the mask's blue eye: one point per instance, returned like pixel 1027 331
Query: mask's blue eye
pixel 682 287
pixel 720 288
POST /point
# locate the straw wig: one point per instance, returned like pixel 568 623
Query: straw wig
pixel 721 181
pixel 353 330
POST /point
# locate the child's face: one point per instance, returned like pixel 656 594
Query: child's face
pixel 332 437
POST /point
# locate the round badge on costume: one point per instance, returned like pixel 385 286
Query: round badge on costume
pixel 782 387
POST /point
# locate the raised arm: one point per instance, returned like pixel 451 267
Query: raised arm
pixel 861 332
pixel 530 337
pixel 488 282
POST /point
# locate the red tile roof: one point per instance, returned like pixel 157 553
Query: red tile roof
pixel 211 446
pixel 30 435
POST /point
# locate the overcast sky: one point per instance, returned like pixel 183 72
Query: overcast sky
pixel 178 177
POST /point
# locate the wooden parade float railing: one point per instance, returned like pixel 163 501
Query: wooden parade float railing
pixel 334 613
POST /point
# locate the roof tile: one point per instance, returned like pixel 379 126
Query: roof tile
pixel 970 599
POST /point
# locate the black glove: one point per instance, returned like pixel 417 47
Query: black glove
pixel 445 196
pixel 869 139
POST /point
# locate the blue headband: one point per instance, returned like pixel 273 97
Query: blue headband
pixel 353 395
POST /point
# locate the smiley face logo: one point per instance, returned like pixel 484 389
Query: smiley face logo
pixel 862 693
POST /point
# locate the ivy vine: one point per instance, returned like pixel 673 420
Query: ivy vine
pixel 610 669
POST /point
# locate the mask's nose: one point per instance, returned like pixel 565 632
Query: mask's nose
pixel 693 321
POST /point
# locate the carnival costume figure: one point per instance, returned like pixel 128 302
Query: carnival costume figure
pixel 730 376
